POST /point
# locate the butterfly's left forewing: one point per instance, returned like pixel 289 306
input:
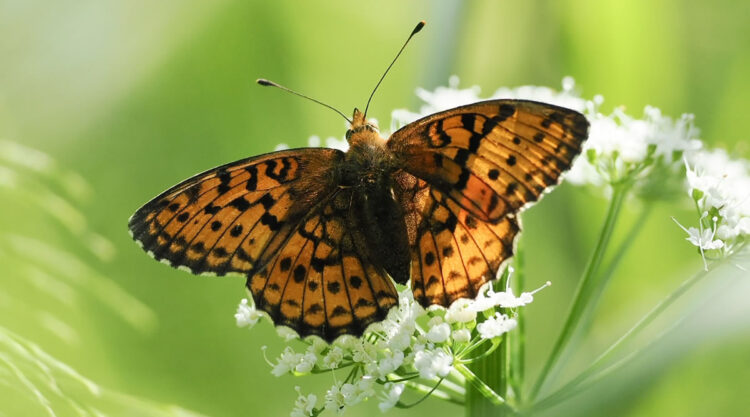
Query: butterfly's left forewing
pixel 466 174
pixel 234 217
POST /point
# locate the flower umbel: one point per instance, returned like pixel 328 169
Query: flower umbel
pixel 718 186
pixel 412 348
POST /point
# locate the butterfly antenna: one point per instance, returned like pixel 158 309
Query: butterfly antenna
pixel 267 83
pixel 416 30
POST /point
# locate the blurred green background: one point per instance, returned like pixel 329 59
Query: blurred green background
pixel 134 96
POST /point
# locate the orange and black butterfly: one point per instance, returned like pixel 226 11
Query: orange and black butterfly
pixel 318 232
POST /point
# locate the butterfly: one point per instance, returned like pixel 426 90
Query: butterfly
pixel 321 234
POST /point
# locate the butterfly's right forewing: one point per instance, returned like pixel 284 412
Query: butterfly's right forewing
pixel 492 157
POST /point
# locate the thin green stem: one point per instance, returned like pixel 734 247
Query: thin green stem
pixel 518 338
pixel 495 345
pixel 472 348
pixel 647 319
pixel 599 369
pixel 424 397
pixel 602 371
pixel 584 289
pixel 482 387
pixel 433 391
pixel 402 379
pixel 609 271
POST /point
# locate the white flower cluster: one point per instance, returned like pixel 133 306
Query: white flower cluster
pixel 621 148
pixel 720 188
pixel 412 347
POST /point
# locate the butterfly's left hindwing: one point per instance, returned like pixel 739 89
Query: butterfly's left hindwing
pixel 234 217
pixel 322 281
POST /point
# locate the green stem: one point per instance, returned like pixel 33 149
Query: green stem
pixel 585 287
pixel 518 337
pixel 599 362
pixel 609 271
pixel 432 391
pixel 488 376
pixel 598 369
pixel 475 408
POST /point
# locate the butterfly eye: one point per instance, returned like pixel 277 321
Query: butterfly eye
pixel 348 134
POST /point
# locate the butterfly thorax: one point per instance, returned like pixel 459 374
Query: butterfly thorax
pixel 368 162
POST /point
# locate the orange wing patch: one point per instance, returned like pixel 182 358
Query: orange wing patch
pixel 231 218
pixel 320 280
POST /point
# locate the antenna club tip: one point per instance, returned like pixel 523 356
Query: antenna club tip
pixel 264 82
pixel 419 27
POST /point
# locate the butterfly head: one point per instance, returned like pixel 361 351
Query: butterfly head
pixel 360 127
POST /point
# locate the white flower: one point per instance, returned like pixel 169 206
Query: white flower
pixel 443 98
pixel 335 143
pixel 391 395
pixel 288 361
pixel 485 299
pixel 391 362
pixel 496 326
pixel 400 340
pixel 568 97
pixel 247 315
pixel 718 182
pixel 488 298
pixel 438 331
pixel 364 352
pixel 432 363
pixel 331 142
pixel 620 146
pixel 334 400
pixel 286 333
pixel 314 141
pixel 703 239
pixel 460 312
pixel 346 395
pixel 333 358
pixel 461 335
pixel 719 188
pixel 400 324
pixel 364 389
pixel 304 405
pixel 306 362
